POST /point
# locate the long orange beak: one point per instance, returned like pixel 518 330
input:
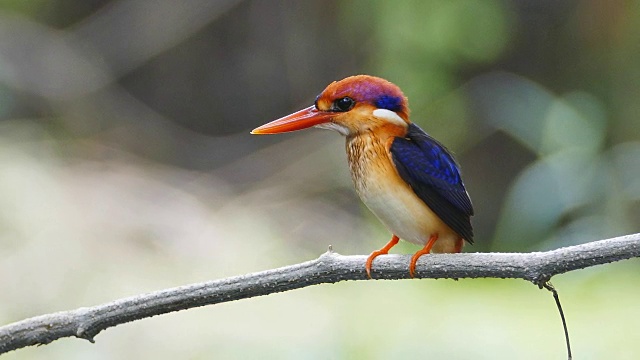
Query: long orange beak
pixel 299 120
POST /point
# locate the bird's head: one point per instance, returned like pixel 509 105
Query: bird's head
pixel 351 106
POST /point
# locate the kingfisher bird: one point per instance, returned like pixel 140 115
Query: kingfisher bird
pixel 408 179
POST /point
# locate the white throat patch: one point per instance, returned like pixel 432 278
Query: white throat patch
pixel 389 115
pixel 335 127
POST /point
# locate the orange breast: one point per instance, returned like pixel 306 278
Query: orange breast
pixel 390 198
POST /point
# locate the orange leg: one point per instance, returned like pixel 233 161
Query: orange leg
pixel 385 250
pixel 425 250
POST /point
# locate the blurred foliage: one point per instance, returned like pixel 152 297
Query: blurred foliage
pixel 126 166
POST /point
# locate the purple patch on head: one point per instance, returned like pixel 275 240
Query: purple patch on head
pixel 368 89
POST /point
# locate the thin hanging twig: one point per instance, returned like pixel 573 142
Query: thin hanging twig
pixel 550 287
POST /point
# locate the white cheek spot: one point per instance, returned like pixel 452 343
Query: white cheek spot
pixel 335 127
pixel 389 115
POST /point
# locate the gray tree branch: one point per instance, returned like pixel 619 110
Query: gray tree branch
pixel 331 267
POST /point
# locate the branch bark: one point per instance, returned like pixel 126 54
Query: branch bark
pixel 331 267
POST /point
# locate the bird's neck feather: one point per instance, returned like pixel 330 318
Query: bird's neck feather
pixel 368 154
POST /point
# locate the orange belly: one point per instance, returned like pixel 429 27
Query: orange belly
pixel 392 200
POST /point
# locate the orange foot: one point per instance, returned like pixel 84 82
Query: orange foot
pixel 425 250
pixel 385 250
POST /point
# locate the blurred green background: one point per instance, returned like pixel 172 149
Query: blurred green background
pixel 126 166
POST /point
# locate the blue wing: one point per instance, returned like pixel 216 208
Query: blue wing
pixel 433 174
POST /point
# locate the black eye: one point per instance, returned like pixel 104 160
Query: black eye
pixel 343 104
